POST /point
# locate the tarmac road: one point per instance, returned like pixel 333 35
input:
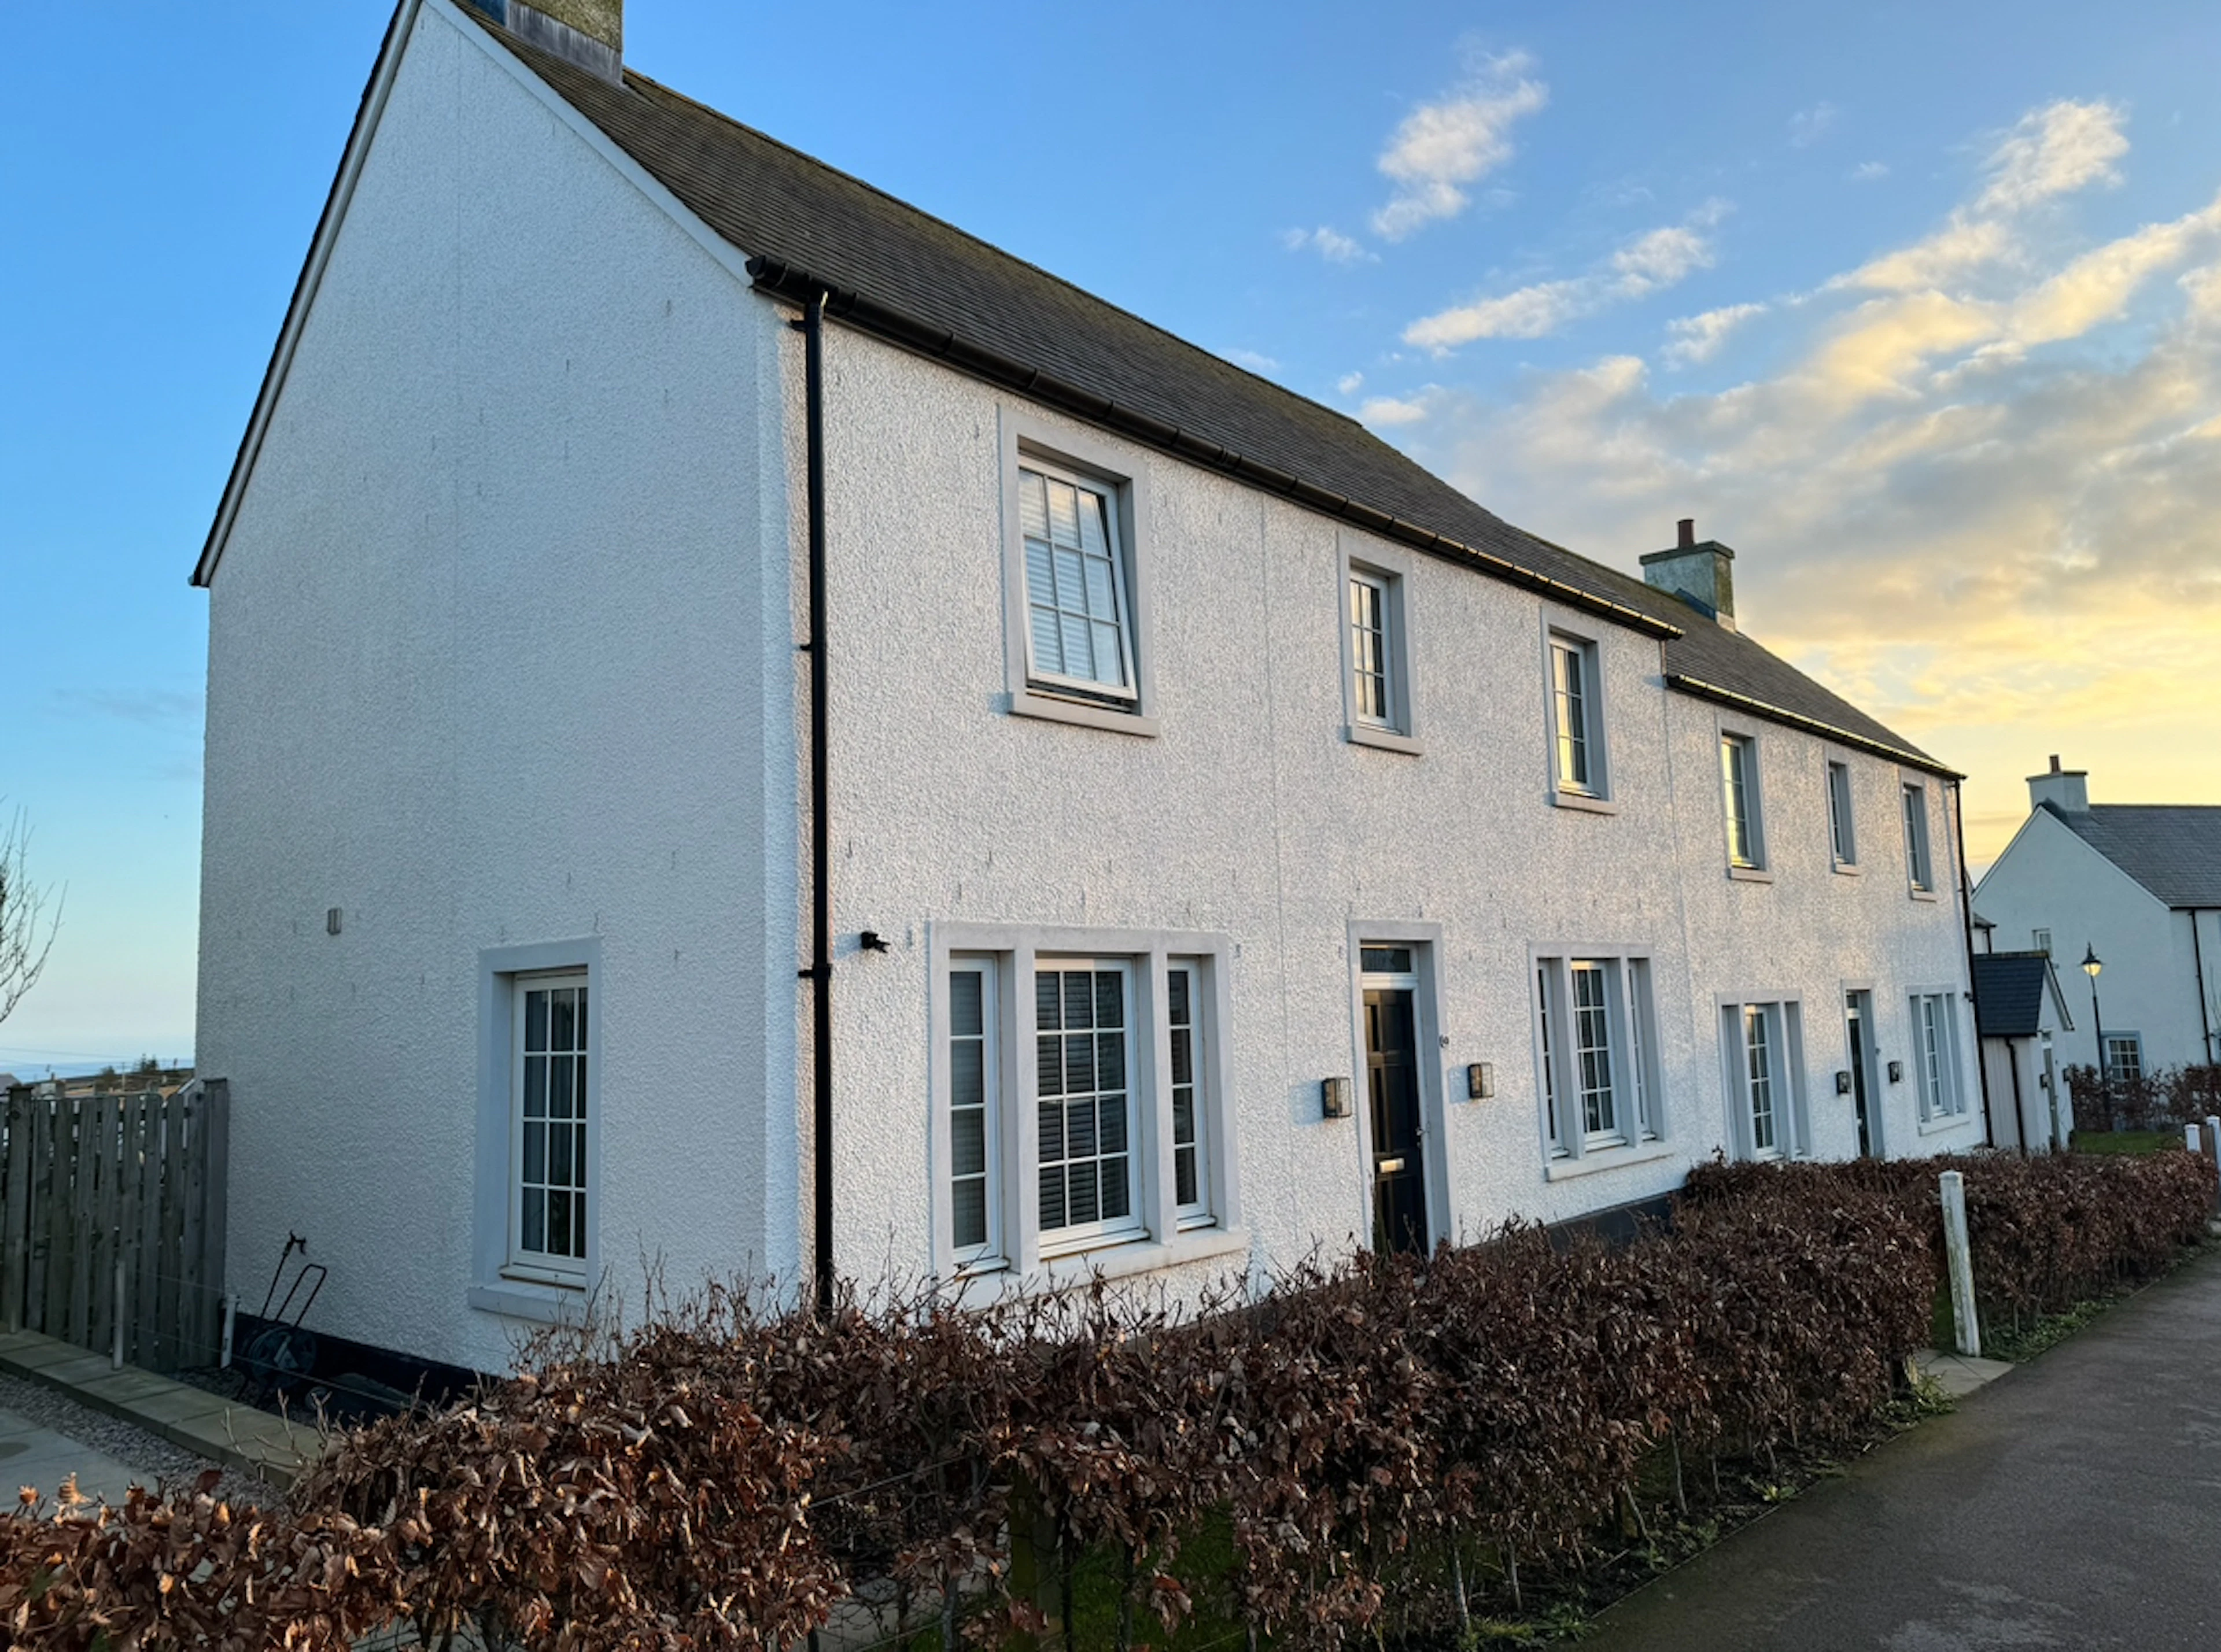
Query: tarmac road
pixel 2074 1503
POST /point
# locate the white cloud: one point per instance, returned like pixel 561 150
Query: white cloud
pixel 1349 383
pixel 1809 126
pixel 1655 260
pixel 1255 361
pixel 2054 151
pixel 1868 170
pixel 1977 497
pixel 1391 410
pixel 1329 244
pixel 1442 147
pixel 1698 337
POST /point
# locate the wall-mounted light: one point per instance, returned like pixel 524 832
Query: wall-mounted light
pixel 871 941
pixel 1480 1081
pixel 1334 1098
pixel 1842 1082
pixel 332 922
pixel 1896 1072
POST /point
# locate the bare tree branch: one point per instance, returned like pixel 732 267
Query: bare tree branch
pixel 22 903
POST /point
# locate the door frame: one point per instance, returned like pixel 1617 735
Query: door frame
pixel 1425 941
pixel 1877 1137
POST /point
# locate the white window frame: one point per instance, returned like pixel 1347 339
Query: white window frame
pixel 1783 1015
pixel 1638 1128
pixel 504 1282
pixel 2040 940
pixel 1939 1085
pixel 1163 1231
pixel 1843 816
pixel 1388 571
pixel 1029 442
pixel 1755 867
pixel 1919 859
pixel 2135 1044
pixel 1587 652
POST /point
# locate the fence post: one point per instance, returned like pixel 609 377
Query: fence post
pixel 2193 1139
pixel 1960 1260
pixel 2211 1146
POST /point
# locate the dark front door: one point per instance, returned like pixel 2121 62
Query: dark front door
pixel 1854 1022
pixel 1391 1060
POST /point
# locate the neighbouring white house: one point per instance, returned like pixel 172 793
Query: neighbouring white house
pixel 2137 886
pixel 752 734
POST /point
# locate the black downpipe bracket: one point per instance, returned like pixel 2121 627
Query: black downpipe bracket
pixel 820 972
pixel 1967 934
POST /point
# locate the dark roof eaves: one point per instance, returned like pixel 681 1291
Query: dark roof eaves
pixel 1703 690
pixel 891 325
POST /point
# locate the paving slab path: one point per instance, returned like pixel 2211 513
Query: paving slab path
pixel 2074 1503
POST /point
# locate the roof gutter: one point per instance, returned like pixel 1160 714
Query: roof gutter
pixel 1705 690
pixel 867 315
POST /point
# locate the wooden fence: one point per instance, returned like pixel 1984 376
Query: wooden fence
pixel 112 1219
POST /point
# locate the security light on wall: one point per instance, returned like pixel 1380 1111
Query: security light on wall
pixel 1334 1098
pixel 1480 1081
pixel 1843 1081
pixel 1896 1072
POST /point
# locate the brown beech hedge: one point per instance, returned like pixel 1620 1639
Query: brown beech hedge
pixel 1336 1459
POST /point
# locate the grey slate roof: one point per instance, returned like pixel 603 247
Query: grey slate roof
pixel 897 270
pixel 2009 994
pixel 2172 849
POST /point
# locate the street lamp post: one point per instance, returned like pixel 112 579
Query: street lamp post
pixel 2091 964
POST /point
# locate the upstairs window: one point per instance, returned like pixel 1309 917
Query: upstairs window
pixel 1078 621
pixel 2042 938
pixel 1739 791
pixel 1376 653
pixel 1577 745
pixel 1843 842
pixel 1372 664
pixel 1917 874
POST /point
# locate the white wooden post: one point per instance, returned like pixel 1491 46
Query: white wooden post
pixel 1960 1260
pixel 2193 1139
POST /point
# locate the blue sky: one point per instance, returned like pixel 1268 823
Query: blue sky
pixel 1947 370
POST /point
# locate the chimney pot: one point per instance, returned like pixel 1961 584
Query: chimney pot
pixel 1688 526
pixel 2055 763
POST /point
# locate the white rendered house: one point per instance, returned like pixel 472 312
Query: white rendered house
pixel 2138 884
pixel 752 734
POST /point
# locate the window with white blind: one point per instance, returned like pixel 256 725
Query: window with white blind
pixel 1080 1096
pixel 1075 593
pixel 1578 766
pixel 1936 1068
pixel 1761 1051
pixel 1595 1037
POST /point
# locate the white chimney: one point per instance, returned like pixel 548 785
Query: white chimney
pixel 2067 790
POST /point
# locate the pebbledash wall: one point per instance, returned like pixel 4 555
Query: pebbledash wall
pixel 502 666
pixel 1247 814
pixel 485 674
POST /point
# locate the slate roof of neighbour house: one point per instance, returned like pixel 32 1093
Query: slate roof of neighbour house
pixel 2009 990
pixel 896 272
pixel 2172 849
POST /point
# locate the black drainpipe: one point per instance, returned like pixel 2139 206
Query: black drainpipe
pixel 1967 932
pixel 2205 1016
pixel 820 972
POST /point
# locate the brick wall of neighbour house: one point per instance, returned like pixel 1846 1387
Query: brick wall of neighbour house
pixel 1249 815
pixel 502 656
pixel 2048 878
pixel 487 670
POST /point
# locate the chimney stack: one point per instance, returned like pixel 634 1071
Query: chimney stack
pixel 587 33
pixel 1700 573
pixel 2067 790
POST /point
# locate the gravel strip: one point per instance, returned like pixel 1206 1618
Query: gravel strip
pixel 148 1454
